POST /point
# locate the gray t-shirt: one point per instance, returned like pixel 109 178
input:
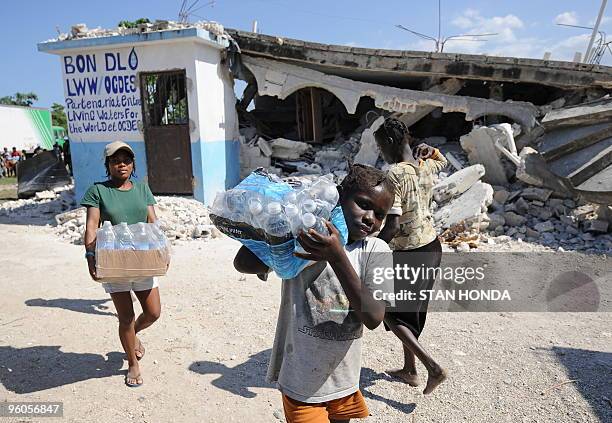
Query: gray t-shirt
pixel 316 355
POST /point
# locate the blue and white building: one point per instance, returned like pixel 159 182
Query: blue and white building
pixel 167 93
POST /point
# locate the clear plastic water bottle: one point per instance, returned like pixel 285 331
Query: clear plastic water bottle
pixel 310 221
pixel 106 237
pixel 158 233
pixel 236 205
pixel 124 237
pixel 278 231
pixel 277 225
pixel 308 205
pixel 292 211
pixel 255 204
pixel 142 239
pixel 219 204
pixel 290 197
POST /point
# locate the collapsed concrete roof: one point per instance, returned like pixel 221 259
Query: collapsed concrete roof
pixel 397 67
pixel 280 79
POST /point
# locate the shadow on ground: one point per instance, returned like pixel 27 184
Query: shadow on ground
pixel 34 369
pixel 74 304
pixel 238 379
pixel 592 372
pixel 252 374
pixel 369 378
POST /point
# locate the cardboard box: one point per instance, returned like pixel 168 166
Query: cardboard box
pixel 131 265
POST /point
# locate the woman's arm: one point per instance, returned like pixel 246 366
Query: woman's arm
pixel 151 216
pixel 91 225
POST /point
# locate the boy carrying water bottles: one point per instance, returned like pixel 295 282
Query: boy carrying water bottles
pixel 316 357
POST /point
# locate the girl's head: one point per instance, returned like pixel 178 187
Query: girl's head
pixel 366 195
pixel 119 161
pixel 393 140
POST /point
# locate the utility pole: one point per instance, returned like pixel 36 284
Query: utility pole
pixel 587 54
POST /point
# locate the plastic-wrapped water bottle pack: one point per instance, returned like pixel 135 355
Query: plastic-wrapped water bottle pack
pixel 141 236
pixel 125 253
pixel 266 214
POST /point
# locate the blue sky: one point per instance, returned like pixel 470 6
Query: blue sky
pixel 525 28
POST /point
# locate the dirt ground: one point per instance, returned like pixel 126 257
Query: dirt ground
pixel 206 357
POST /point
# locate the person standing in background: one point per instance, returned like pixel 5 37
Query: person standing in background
pixel 410 232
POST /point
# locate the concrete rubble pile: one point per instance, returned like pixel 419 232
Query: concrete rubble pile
pixel 40 208
pixel 81 31
pixel 286 157
pixel 468 211
pixel 182 218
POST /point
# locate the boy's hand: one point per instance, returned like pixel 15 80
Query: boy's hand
pixel 321 247
pixel 424 151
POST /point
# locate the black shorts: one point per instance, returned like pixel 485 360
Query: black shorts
pixel 429 256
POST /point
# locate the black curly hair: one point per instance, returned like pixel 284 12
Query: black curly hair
pixel 363 178
pixel 392 137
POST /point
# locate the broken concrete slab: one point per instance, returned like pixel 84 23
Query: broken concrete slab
pixel 265 147
pixel 453 161
pixel 544 227
pixel 600 182
pixel 581 165
pixel 534 170
pixel 536 194
pixel 279 79
pixel 501 196
pixel 521 206
pixel 583 114
pixel 285 149
pixel 457 183
pixel 467 208
pixel 479 145
pixel 562 141
pixel 513 219
pixel 596 226
pixel 450 86
pixel 495 220
pixel 402 65
pixel 368 151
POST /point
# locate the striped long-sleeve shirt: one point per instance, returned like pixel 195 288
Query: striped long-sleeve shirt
pixel 413 194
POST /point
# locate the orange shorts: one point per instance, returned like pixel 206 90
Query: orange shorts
pixel 350 407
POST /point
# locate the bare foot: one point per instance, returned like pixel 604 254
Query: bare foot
pixel 133 378
pixel 406 376
pixel 433 380
pixel 139 350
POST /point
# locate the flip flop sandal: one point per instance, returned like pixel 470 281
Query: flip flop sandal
pixel 133 385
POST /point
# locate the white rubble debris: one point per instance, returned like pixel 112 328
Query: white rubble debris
pixel 457 183
pixel 467 208
pixel 283 148
pixel 480 144
pixel 368 152
pixel 80 31
pixel 181 218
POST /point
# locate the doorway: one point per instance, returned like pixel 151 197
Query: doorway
pixel 166 132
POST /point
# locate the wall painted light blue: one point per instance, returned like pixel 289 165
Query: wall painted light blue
pixel 215 166
pixel 88 164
